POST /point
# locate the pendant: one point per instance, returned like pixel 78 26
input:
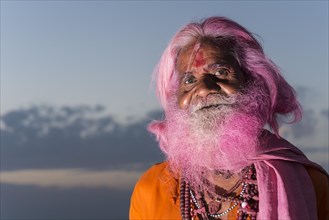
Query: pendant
pixel 214 207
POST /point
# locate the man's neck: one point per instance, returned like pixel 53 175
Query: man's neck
pixel 224 180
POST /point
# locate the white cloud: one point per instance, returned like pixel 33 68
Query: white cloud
pixel 317 138
pixel 314 145
pixel 67 178
pixel 4 127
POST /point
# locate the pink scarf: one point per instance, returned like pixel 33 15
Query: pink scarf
pixel 285 187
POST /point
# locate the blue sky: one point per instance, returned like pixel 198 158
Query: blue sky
pixel 103 52
pixel 73 71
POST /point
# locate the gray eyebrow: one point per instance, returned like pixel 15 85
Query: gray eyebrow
pixel 218 64
pixel 210 67
pixel 186 73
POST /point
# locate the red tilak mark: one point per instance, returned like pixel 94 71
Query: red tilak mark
pixel 199 60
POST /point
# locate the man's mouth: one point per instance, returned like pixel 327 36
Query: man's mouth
pixel 215 106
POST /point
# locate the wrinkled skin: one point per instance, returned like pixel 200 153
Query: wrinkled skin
pixel 211 71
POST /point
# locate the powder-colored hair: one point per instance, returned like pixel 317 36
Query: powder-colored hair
pixel 248 53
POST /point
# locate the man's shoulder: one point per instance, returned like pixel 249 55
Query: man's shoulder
pixel 156 173
pixel 320 182
pixel 319 179
pixel 154 193
pixel 157 168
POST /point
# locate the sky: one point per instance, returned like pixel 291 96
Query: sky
pixel 76 94
pixel 104 52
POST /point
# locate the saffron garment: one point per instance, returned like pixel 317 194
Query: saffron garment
pixel 290 187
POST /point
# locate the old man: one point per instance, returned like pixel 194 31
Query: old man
pixel 225 159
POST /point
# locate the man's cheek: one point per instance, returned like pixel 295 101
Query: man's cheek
pixel 184 100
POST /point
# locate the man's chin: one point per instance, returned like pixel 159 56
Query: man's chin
pixel 210 119
pixel 215 140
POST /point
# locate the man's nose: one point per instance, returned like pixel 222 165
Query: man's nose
pixel 208 85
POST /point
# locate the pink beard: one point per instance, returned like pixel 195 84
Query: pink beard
pixel 218 138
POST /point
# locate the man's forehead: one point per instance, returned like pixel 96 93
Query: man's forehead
pixel 190 58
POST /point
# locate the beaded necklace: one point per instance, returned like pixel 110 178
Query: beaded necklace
pixel 193 204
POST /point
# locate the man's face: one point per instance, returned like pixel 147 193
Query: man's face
pixel 219 117
pixel 208 71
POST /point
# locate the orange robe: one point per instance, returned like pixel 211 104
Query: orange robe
pixel 156 195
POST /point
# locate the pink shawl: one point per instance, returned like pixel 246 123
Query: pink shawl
pixel 285 187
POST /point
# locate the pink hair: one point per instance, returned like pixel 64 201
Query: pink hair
pixel 248 53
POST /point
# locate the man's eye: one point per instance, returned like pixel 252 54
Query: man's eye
pixel 221 72
pixel 189 79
